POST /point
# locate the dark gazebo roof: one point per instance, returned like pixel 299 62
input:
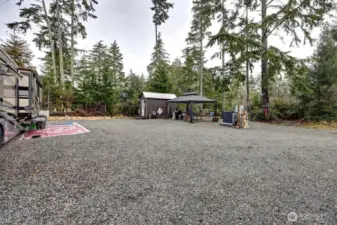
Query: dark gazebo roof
pixel 191 97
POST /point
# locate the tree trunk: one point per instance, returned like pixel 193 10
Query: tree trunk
pixel 51 42
pixel 16 58
pixel 247 67
pixel 48 98
pixel 223 75
pixel 72 50
pixel 247 87
pixel 201 65
pixel 201 60
pixel 155 25
pixel 60 42
pixel 264 63
pixel 156 30
pixel 223 56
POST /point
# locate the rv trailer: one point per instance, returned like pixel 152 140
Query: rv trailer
pixel 20 99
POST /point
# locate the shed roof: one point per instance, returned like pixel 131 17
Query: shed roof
pixel 191 98
pixel 156 95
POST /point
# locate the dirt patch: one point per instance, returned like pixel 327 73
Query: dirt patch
pixel 321 125
pixel 301 123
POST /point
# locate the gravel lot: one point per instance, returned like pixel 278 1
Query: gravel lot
pixel 171 172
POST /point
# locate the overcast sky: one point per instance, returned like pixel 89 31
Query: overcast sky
pixel 129 22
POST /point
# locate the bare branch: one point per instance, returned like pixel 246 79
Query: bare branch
pixel 268 3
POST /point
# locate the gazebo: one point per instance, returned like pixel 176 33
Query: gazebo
pixel 191 98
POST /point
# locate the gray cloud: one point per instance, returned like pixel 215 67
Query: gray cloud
pixel 129 22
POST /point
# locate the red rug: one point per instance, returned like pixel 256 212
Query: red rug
pixel 54 130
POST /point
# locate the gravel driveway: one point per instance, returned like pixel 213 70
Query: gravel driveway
pixel 171 172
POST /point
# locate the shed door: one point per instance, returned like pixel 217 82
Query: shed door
pixel 159 111
pixel 142 106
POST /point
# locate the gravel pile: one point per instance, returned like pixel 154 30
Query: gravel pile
pixel 171 172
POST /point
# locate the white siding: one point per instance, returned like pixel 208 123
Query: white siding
pixel 24 82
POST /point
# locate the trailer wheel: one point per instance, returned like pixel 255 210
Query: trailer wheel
pixel 38 125
pixel 1 136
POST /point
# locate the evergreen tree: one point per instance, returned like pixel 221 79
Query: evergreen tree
pixel 117 66
pixel 227 18
pixel 54 33
pixel 159 55
pixel 291 17
pixel 109 91
pixel 18 49
pixel 294 15
pixel 201 22
pixel 85 79
pixel 135 85
pixel 319 86
pixel 49 89
pixel 79 11
pixel 100 78
pixel 37 13
pixel 54 97
pixel 159 70
pixel 161 9
pixel 160 81
pixel 189 81
pixel 176 76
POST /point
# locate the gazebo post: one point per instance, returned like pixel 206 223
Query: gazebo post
pixel 191 116
pixel 216 108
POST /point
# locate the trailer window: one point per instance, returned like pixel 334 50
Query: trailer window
pixel 23 93
pixel 9 92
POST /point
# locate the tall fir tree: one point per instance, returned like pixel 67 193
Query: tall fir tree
pixel 161 81
pixel 79 11
pixel 295 18
pixel 100 78
pixel 158 69
pixel 317 90
pixel 290 17
pixel 201 22
pixel 227 18
pixel 37 13
pixel 135 85
pixel 52 19
pixel 84 78
pixel 190 76
pixel 176 76
pixel 160 9
pixel 159 55
pixel 18 49
pixel 117 67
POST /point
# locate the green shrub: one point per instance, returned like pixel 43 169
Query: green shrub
pixel 128 108
pixel 279 109
pixel 284 109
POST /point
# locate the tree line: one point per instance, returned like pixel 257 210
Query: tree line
pixel 287 87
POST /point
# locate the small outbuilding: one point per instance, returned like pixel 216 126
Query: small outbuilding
pixel 154 105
